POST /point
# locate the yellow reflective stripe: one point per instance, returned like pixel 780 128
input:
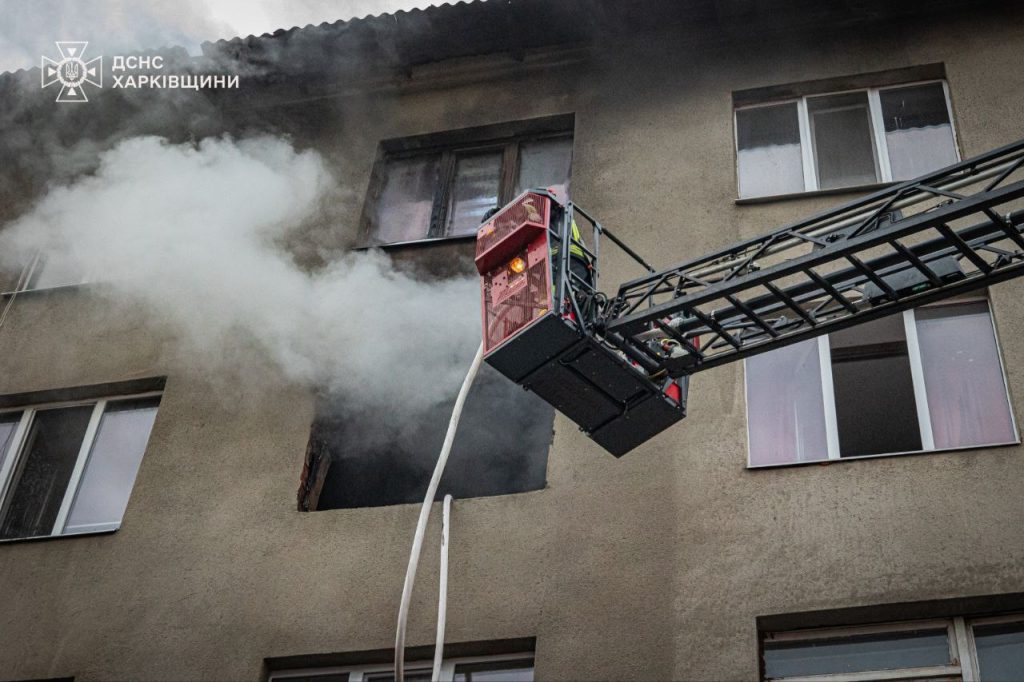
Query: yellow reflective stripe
pixel 575 247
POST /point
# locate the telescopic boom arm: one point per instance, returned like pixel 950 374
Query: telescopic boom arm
pixel 619 365
pixel 927 239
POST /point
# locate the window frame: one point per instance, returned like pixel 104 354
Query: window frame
pixel 11 464
pixel 880 146
pixel 960 634
pixel 357 672
pixel 920 394
pixel 459 143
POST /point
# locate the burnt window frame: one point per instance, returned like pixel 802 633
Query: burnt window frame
pixel 507 138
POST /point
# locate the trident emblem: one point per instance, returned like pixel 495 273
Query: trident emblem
pixel 72 72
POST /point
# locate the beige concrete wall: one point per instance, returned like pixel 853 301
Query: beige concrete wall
pixel 650 567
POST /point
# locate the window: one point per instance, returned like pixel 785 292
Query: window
pixel 985 649
pixel 69 468
pixel 441 188
pixel 504 668
pixel 360 460
pixel 926 379
pixel 39 272
pixel 57 271
pixel 844 139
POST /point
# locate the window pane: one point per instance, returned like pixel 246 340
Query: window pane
pixel 57 271
pixel 113 462
pixel 421 675
pixel 962 376
pixel 8 425
pixel 50 451
pixel 511 671
pixel 918 131
pixel 407 200
pixel 856 654
pixel 841 131
pixel 1000 651
pixel 785 410
pixel 874 390
pixel 475 190
pixel 768 156
pixel 545 163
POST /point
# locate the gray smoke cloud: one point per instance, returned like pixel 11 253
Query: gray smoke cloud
pixel 196 233
pixel 30 27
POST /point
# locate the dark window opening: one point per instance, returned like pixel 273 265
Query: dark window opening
pixel 874 389
pixel 501 447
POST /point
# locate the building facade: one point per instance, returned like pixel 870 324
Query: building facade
pixel 703 554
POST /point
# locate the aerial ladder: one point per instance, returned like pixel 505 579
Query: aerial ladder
pixel 618 365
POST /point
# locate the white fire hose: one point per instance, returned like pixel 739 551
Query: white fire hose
pixel 421 528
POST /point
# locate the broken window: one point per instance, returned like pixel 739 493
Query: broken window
pixel 843 139
pixel 441 186
pixel 501 447
pixel 69 468
pixel 926 379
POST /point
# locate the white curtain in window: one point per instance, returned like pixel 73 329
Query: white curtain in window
pixel 474 192
pixel 963 376
pixel 113 462
pixel 768 156
pixel 545 163
pixel 407 200
pixel 918 132
pixel 785 408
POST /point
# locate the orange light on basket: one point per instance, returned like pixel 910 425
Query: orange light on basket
pixel 517 265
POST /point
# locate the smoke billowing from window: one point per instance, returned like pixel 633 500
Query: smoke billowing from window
pixel 197 234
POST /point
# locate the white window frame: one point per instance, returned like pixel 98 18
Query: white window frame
pixel 17 454
pixel 357 672
pixel 968 639
pixel 880 147
pixel 920 394
pixel 960 634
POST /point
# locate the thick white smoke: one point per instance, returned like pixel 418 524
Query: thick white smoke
pixel 195 234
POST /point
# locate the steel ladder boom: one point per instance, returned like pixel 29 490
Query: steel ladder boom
pixel 919 241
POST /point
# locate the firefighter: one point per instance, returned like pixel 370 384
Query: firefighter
pixel 579 260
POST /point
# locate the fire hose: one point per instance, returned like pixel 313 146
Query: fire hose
pixel 421 528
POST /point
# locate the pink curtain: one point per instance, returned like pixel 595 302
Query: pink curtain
pixel 963 376
pixel 785 410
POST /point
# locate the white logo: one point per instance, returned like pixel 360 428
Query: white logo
pixel 72 72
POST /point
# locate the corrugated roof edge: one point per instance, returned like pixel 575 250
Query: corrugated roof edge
pixel 341 22
pixel 207 45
